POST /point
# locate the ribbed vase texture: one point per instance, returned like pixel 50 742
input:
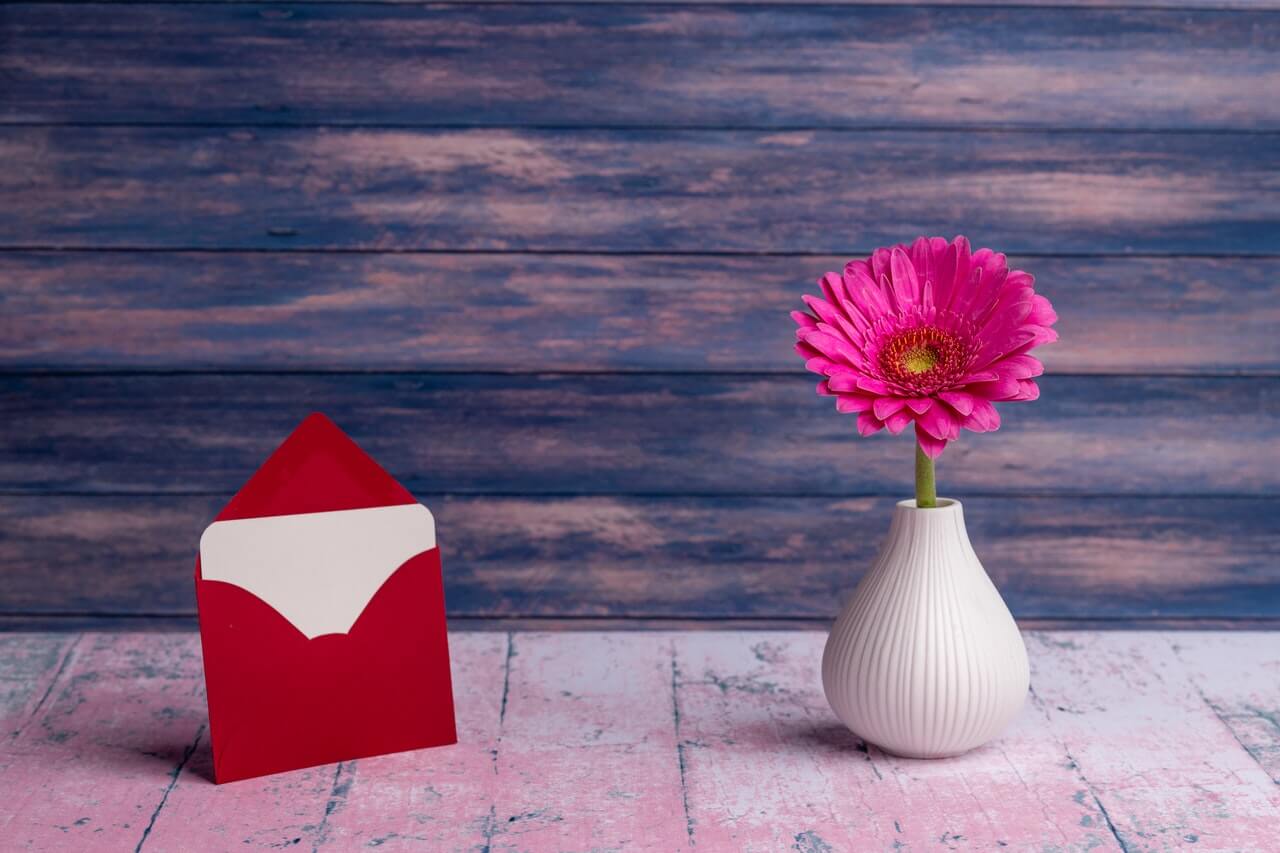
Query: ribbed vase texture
pixel 925 660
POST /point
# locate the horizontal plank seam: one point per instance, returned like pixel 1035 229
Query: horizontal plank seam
pixel 463 618
pixel 1146 498
pixel 425 496
pixel 351 124
pixel 40 248
pixel 11 372
pixel 679 4
pixel 61 371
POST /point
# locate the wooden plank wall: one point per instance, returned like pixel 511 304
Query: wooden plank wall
pixel 538 259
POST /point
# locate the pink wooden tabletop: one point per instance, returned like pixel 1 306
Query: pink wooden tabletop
pixel 667 741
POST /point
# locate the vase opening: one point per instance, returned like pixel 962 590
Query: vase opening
pixel 943 503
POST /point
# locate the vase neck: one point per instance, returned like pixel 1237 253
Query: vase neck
pixel 945 522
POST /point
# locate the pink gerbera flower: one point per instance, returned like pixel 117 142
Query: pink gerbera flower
pixel 930 333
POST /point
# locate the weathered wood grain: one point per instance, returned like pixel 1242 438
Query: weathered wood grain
pixel 627 434
pixel 530 312
pixel 1098 4
pixel 92 768
pixel 1238 675
pixel 443 798
pixel 717 740
pixel 571 771
pixel 28 666
pixel 433 796
pixel 637 190
pixel 686 558
pixel 1166 770
pixel 807 783
pixel 869 66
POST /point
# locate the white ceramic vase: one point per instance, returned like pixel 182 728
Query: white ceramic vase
pixel 925 660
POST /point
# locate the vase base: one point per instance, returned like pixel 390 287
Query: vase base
pixel 923 756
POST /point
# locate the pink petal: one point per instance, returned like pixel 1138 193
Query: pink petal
pixel 922 258
pixel 984 418
pixel 824 389
pixel 1028 390
pixel 963 261
pixel 906 286
pixel 863 289
pixel 803 320
pixel 847 403
pixel 859 271
pixel 1022 366
pixel 880 262
pixel 820 307
pixel 833 288
pixel 867 424
pixel 875 386
pixel 829 345
pixel 961 401
pixel 931 446
pixel 857 317
pixel 939 423
pixel 886 406
pixel 920 405
pixel 823 365
pixel 851 332
pixel 844 381
pixel 898 421
pixel 1043 335
pixel 1004 388
pixel 817 362
pixel 1042 313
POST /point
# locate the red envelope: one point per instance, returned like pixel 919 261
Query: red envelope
pixel 321 614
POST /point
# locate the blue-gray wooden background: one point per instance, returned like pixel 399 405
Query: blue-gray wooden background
pixel 537 258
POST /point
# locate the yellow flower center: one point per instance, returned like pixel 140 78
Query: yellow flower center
pixel 920 359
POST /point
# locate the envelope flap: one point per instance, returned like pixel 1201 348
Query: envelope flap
pixel 318 570
pixel 318 468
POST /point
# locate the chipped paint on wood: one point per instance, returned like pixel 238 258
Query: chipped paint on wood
pixel 435 799
pixel 705 741
pixel 1238 675
pixel 94 765
pixel 771 769
pixel 29 666
pixel 1152 751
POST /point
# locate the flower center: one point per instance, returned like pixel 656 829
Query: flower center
pixel 922 358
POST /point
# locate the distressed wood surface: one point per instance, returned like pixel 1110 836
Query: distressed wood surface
pixel 103 559
pixel 211 310
pixel 1156 755
pixel 718 740
pixel 637 190
pixel 1243 5
pixel 761 747
pixel 628 434
pixel 1238 680
pixel 869 66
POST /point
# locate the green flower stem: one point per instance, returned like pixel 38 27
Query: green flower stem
pixel 926 490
